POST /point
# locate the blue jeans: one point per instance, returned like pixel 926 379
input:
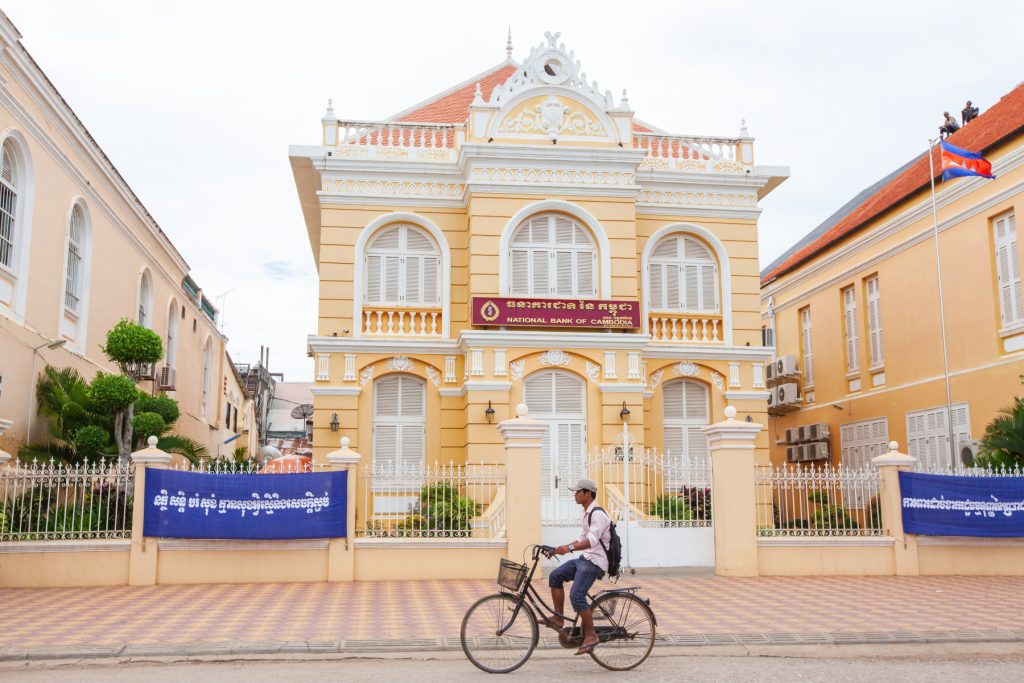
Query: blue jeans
pixel 583 573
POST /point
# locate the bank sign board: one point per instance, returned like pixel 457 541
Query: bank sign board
pixel 585 313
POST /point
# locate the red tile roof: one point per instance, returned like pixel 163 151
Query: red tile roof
pixel 1002 120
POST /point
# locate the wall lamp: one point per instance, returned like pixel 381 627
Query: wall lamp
pixel 489 413
pixel 624 413
pixel 334 422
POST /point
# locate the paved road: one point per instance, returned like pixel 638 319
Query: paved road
pixel 922 663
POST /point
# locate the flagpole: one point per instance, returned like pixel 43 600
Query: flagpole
pixel 942 315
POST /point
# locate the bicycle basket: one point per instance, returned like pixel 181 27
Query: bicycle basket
pixel 511 574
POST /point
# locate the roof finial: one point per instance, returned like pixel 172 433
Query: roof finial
pixel 508 44
pixel 624 104
pixel 743 129
pixel 330 106
pixel 478 96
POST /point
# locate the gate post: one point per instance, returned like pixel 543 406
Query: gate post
pixel 523 438
pixel 341 552
pixel 732 494
pixel 891 504
pixel 142 558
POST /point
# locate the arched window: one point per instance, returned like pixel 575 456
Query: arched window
pixel 10 187
pixel 402 267
pixel 552 255
pixel 76 249
pixel 146 299
pixel 171 349
pixel 683 276
pixel 558 398
pixel 399 422
pixel 686 411
pixel 207 389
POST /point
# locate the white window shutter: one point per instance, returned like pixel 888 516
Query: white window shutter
pixel 696 446
pixel 564 273
pixel 539 282
pixel 691 287
pixel 413 295
pixel 539 393
pixel 568 394
pixel 656 290
pixel 392 265
pixel 808 350
pixel 412 445
pixel 8 205
pixel 696 395
pixel 386 396
pixel 520 271
pixel 686 413
pixel 850 325
pixel 431 281
pixel 585 268
pixel 385 443
pixel 874 322
pixel 1011 297
pixel 674 402
pixel 373 279
pixel 675 441
pixel 412 397
pixel 709 289
pixel 552 255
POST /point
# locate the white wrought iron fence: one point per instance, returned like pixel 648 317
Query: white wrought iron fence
pixel 50 501
pixel 432 501
pixel 817 501
pixel 960 471
pixel 224 466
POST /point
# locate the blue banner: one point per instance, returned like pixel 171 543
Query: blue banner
pixel 256 506
pixel 939 505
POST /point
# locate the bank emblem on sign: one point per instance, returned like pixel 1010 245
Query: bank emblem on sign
pixel 489 311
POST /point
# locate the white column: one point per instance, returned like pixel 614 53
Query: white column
pixel 609 365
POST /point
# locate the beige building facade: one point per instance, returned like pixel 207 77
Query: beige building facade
pixel 524 238
pixel 78 252
pixel 854 310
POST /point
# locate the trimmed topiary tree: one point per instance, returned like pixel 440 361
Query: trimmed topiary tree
pixel 164 406
pixel 116 394
pixel 130 346
pixel 145 425
pixel 90 441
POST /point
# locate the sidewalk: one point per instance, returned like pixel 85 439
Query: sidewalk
pixel 426 615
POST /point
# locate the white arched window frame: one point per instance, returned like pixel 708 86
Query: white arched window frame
pixel 363 242
pixel 77 268
pixel 552 255
pixel 683 276
pixel 686 411
pixel 399 424
pixel 724 272
pixel 145 307
pixel 207 379
pixel 16 199
pixel 402 267
pixel 171 343
pixel 602 277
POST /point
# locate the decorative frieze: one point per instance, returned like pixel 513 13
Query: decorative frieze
pixel 686 368
pixel 433 375
pixel 686 198
pixel 516 367
pixel 366 375
pixel 401 364
pixel 393 188
pixel 718 380
pixel 593 372
pixel 551 176
pixel 655 379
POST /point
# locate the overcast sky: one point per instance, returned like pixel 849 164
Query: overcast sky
pixel 197 102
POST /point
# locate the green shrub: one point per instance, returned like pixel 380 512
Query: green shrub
pixel 129 343
pixel 670 508
pixel 164 406
pixel 145 425
pixel 829 516
pixel 440 510
pixel 112 392
pixel 91 441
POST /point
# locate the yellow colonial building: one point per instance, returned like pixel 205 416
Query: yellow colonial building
pixel 855 311
pixel 78 252
pixel 523 238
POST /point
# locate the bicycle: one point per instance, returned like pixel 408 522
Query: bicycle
pixel 500 631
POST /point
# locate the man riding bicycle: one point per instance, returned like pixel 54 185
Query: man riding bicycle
pixel 585 570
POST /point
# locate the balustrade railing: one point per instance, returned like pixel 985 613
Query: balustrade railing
pixel 817 501
pixel 688 152
pixel 432 501
pixel 694 328
pixel 396 321
pixel 401 141
pixel 50 501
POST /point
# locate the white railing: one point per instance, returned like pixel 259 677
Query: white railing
pixel 413 322
pixel 688 153
pixel 817 501
pixel 398 141
pixel 959 471
pixel 432 501
pixel 685 328
pixel 647 488
pixel 220 466
pixel 49 501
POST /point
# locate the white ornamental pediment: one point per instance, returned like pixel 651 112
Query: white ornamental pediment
pixel 552 117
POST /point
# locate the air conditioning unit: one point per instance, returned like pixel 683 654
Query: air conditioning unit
pixel 793 435
pixel 968 452
pixel 786 366
pixel 794 453
pixel 167 378
pixel 789 394
pixel 803 435
pixel 147 371
pixel 769 371
pixel 816 432
pixel 815 451
pixel 773 398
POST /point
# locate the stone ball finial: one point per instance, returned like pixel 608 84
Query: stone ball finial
pixel 894 446
pixel 152 441
pixel 730 413
pixel 522 410
pixel 345 441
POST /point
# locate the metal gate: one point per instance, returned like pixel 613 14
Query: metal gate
pixel 661 504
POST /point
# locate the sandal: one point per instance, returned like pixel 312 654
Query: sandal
pixel 587 649
pixel 546 620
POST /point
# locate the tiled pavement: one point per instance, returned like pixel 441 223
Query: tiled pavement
pixel 691 610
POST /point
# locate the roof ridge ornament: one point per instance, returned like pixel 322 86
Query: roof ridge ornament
pixel 508 44
pixel 551 64
pixel 478 96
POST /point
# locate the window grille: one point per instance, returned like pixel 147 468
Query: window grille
pixel 8 205
pixel 73 276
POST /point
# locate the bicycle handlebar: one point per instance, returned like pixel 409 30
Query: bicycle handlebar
pixel 546 550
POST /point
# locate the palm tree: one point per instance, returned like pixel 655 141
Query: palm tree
pixel 1003 443
pixel 191 450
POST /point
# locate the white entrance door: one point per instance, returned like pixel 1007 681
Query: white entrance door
pixel 558 398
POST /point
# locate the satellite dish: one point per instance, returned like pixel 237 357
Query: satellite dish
pixel 266 453
pixel 302 411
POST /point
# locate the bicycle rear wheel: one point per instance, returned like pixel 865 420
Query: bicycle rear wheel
pixel 489 651
pixel 627 629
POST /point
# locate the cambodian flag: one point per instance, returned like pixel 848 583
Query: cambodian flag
pixel 958 162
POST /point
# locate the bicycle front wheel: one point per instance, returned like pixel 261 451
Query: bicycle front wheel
pixel 497 638
pixel 626 627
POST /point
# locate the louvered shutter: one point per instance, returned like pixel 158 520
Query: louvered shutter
pixel 399 427
pixel 568 395
pixel 392 265
pixel 413 280
pixel 1011 297
pixel 709 289
pixel 656 291
pixel 928 435
pixel 691 287
pixel 385 444
pixel 564 273
pixel 686 413
pixel 520 271
pixel 411 455
pixel 431 281
pixel 586 266
pixel 808 352
pixel 8 205
pixel 374 291
pixel 539 392
pixel 874 322
pixel 552 255
pixel 72 280
pixel 696 401
pixel 539 281
pixel 412 397
pixel 850 325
